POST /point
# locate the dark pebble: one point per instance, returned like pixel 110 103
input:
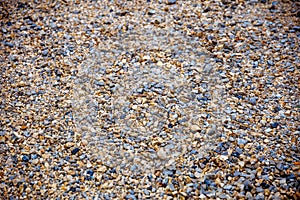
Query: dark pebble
pixel 274 125
pixel 239 96
pixel 90 172
pixel 277 109
pixel 296 28
pixel 75 150
pixel 209 183
pixel 202 98
pixel 25 158
pixel 291 177
pixel 273 7
pixel 260 148
pixel 235 154
pixel 67 158
pixel 247 186
pixel 9 44
pixel 56 168
pixel 265 185
pixel 72 189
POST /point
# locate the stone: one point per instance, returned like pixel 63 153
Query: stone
pixel 170 2
pixel 274 124
pixel 75 150
pixel 25 158
pixel 241 141
pixel 45 52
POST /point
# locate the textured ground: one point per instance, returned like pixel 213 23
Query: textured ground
pixel 149 99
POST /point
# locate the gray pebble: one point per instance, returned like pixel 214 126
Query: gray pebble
pixel 241 141
pixel 130 196
pixel 270 62
pixel 45 52
pixel 9 44
pixel 170 2
pixel 227 187
pixel 253 100
pixel 280 166
pixel 146 192
pixel 99 83
pixel 4 30
pixel 249 196
pixel 259 189
pixel 260 196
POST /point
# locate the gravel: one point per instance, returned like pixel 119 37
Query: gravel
pixel 150 99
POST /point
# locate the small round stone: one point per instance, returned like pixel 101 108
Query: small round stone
pixel 25 158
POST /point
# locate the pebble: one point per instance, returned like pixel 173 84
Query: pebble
pixel 253 100
pixel 45 52
pixel 130 196
pixel 274 125
pixel 75 150
pixel 25 158
pixel 9 44
pixel 270 62
pixel 170 2
pixel 241 141
pixel 151 12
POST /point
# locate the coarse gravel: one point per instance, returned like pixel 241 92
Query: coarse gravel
pixel 164 99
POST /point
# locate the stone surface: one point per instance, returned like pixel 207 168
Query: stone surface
pixel 204 94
